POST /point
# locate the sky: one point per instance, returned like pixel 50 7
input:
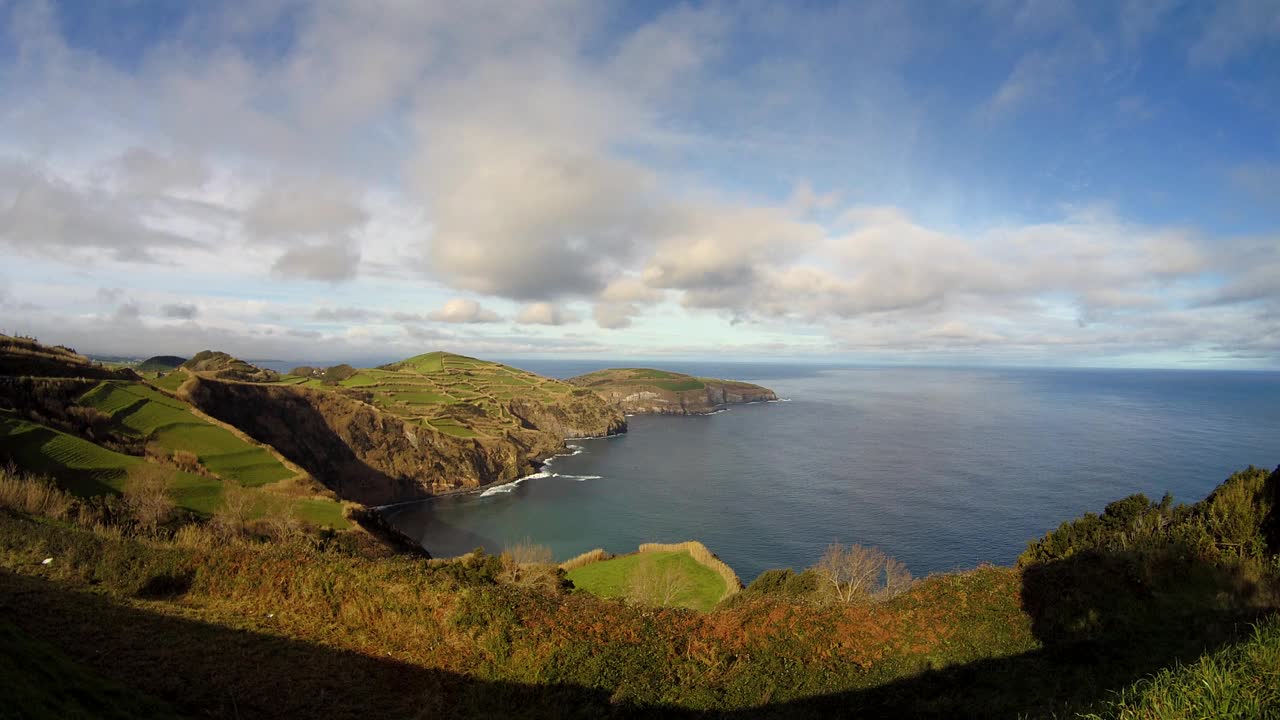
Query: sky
pixel 946 181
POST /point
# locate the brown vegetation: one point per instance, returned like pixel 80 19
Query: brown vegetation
pixel 586 558
pixel 146 494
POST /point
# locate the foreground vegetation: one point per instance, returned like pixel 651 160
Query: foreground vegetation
pixel 336 628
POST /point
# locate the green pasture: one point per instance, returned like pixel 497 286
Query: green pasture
pixel 701 588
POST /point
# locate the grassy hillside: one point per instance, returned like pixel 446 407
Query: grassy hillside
pixel 452 394
pixel 146 413
pixel 21 356
pixel 87 469
pixel 160 363
pixel 1138 632
pixel 645 390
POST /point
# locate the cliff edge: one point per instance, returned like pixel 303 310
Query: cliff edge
pixel 644 391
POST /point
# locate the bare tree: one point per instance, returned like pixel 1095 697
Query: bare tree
pixel 146 494
pixel 658 584
pixel 237 506
pixel 855 572
pixel 897 578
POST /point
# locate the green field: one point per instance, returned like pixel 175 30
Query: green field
pixel 679 385
pixel 423 388
pixel 143 412
pixel 702 587
pixel 87 469
pixel 171 381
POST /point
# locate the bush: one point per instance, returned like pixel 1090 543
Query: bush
pixel 147 496
pixel 32 494
pixel 858 573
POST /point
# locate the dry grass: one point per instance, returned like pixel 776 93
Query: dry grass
pixel 33 494
pixel 586 558
pixel 528 564
pixel 705 557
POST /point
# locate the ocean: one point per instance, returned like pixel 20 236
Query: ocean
pixel 942 468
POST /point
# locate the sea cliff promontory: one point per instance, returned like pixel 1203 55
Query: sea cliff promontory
pixel 644 391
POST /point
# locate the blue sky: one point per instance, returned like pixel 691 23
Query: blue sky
pixel 1042 183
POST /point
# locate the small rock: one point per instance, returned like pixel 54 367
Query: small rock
pixel 46 561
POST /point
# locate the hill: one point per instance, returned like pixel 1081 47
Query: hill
pixel 432 423
pixel 1169 626
pixel 648 391
pixel 222 366
pixel 28 357
pixel 160 363
pixel 96 437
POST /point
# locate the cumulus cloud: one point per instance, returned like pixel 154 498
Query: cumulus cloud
pixel 325 262
pixel 343 314
pixel 179 311
pixel 43 214
pixel 144 170
pixel 551 155
pixel 461 310
pixel 545 313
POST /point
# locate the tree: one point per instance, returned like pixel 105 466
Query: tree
pixel 237 506
pixel 856 572
pixel 146 494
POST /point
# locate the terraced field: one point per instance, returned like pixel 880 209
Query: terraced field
pixel 171 381
pixel 143 412
pixel 452 394
pixel 87 469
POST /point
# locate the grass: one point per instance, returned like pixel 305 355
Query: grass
pixel 613 578
pixel 171 381
pixel 322 512
pixel 422 397
pixel 450 427
pixel 43 683
pixel 146 413
pixel 86 469
pixel 680 385
pixel 1239 681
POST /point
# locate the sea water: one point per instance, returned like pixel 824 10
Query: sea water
pixel 941 468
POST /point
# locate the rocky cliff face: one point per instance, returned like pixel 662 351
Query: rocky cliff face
pixel 655 392
pixel 376 458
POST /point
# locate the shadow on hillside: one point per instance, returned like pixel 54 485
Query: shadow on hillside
pixel 205 670
pixel 1105 621
pixel 284 419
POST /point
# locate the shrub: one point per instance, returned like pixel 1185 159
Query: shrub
pixel 586 558
pixel 33 494
pixel 856 573
pixel 147 496
pixel 236 507
pixel 186 460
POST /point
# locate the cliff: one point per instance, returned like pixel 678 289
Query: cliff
pixel 659 392
pixel 382 436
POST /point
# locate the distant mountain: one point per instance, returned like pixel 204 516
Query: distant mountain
pixel 222 366
pixel 160 363
pixel 660 392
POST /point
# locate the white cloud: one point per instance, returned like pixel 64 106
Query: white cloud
pixel 544 313
pixel 462 310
